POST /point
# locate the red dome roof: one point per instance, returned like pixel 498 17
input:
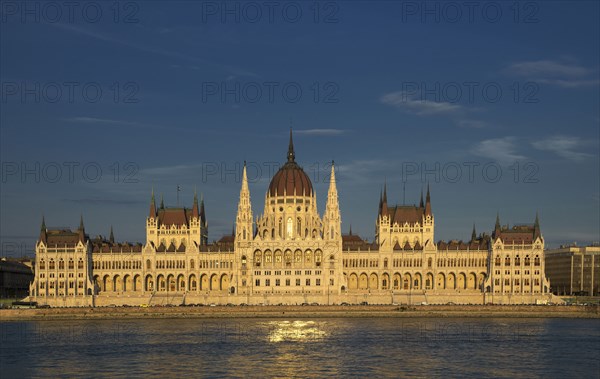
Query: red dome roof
pixel 288 179
pixel 291 178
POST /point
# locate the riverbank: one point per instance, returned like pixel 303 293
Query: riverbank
pixel 303 312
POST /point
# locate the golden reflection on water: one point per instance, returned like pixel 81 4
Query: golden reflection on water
pixel 296 331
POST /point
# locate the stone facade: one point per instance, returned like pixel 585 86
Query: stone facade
pixel 291 254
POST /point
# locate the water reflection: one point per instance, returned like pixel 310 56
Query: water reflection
pixel 305 348
pixel 297 331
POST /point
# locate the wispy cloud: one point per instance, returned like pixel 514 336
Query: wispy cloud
pixel 320 132
pixel 472 124
pixel 502 150
pixel 566 75
pixel 419 107
pixel 154 50
pixel 113 122
pixel 563 146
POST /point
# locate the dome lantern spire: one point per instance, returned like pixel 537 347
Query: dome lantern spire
pixel 290 155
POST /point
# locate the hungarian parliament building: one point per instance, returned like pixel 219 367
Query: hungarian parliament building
pixel 290 254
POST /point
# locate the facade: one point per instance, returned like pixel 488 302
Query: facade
pixel 574 270
pixel 290 254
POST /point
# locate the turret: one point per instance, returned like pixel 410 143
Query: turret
pixel 244 214
pixel 332 220
pixel 195 211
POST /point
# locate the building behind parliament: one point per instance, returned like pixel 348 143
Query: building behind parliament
pixel 290 254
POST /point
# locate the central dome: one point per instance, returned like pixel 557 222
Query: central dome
pixel 291 178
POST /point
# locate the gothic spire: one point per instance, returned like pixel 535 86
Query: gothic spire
pixel 162 203
pixel 421 205
pixel 473 234
pixel 152 206
pixel 111 239
pixel 290 155
pixel 43 235
pixel 428 203
pixel 81 222
pixel 195 212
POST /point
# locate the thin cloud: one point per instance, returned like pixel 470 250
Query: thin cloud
pixel 547 67
pixel 502 150
pixel 150 49
pixel 472 124
pixel 113 122
pixel 419 107
pixel 565 75
pixel 563 146
pixel 320 132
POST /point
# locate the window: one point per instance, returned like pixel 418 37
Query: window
pixel 277 282
pixel 71 264
pixel 330 282
pixel 318 282
pixel 537 260
pixel 308 282
pixel 287 282
pixel 267 282
pixel 297 282
pixel 257 282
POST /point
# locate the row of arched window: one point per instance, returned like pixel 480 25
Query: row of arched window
pixel 526 260
pixel 61 264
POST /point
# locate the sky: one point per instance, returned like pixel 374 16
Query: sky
pixel 494 105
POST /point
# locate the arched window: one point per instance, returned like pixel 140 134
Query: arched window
pixel 527 260
pixel 536 260
pixel 507 261
pixel 61 264
pixel 517 260
pixel 290 227
pixel 192 264
pixel 148 265
pixel 299 227
pixel 80 264
pixel 429 262
pixel 497 261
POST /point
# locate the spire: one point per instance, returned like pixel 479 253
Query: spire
pixel 111 239
pixel 350 233
pixel 162 203
pixel 243 224
pixel 428 203
pixel 43 235
pixel 195 212
pixel 202 211
pixel 152 206
pixel 497 226
pixel 290 155
pixel 473 234
pixel 385 192
pixel 384 207
pixel 245 175
pixel 332 220
pixel 380 201
pixel 81 229
pixel 421 205
pixel 536 227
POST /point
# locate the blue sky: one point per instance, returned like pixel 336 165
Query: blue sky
pixel 497 107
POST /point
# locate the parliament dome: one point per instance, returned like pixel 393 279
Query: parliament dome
pixel 291 179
